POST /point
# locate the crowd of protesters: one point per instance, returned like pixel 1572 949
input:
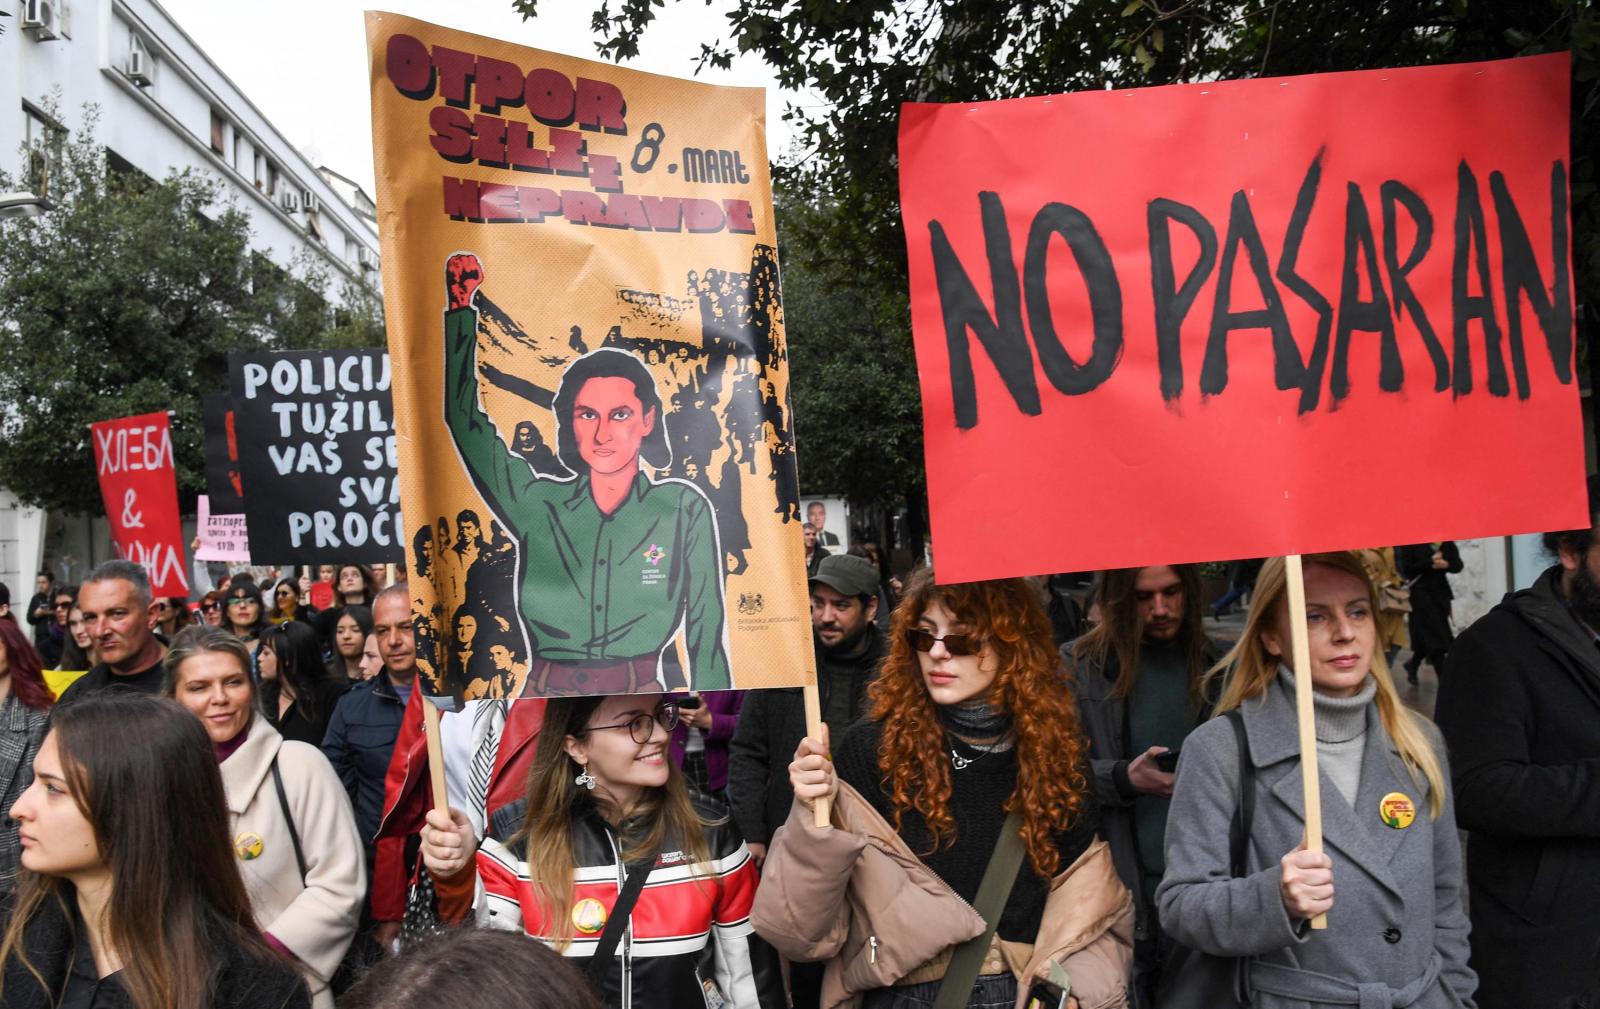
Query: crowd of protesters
pixel 1037 792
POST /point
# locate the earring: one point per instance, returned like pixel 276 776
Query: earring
pixel 584 779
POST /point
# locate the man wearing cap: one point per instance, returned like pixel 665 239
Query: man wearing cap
pixel 844 600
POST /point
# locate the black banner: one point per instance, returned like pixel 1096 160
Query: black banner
pixel 317 451
pixel 223 484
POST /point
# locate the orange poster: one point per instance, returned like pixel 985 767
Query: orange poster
pixel 591 396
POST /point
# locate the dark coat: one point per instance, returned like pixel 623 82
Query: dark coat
pixel 1430 594
pixel 1520 708
pixel 771 725
pixel 243 983
pixel 359 742
pixel 1105 720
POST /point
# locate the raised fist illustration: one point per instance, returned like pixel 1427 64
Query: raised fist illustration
pixel 462 275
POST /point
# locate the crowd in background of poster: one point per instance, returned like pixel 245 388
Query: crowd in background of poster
pixel 1347 284
pixel 591 385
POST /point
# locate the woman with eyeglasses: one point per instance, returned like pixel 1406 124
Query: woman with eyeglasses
pixel 351 627
pixel 605 803
pixel 172 616
pixel 287 606
pixel 53 642
pixel 24 716
pixel 243 613
pixel 972 740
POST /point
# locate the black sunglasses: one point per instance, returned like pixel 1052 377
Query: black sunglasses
pixel 642 727
pixel 210 607
pixel 956 644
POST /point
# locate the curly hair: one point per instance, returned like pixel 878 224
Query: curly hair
pixel 1030 683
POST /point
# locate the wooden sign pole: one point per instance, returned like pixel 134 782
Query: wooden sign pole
pixel 821 809
pixel 430 728
pixel 1300 639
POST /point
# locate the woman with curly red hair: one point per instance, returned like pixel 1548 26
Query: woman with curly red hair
pixel 972 732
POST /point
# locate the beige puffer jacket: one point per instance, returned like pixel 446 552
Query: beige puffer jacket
pixel 856 896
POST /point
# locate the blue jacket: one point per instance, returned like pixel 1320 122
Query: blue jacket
pixel 360 739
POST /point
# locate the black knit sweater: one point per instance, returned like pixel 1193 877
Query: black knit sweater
pixel 977 794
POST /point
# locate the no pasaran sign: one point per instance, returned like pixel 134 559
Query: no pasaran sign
pixel 1245 318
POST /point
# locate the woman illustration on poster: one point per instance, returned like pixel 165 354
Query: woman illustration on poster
pixel 614 565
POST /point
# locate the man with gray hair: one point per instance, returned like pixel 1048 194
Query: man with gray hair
pixel 119 612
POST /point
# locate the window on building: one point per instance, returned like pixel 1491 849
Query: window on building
pixel 217 133
pixel 272 179
pixel 46 141
pixel 259 174
pixel 239 148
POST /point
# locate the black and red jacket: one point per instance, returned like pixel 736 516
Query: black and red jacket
pixel 689 943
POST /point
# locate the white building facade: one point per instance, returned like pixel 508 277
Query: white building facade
pixel 163 106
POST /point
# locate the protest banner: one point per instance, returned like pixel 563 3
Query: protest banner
pixel 1215 360
pixel 222 537
pixel 317 455
pixel 590 378
pixel 1247 318
pixel 133 457
pixel 224 485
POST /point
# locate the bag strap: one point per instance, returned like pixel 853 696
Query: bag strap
pixel 1239 839
pixel 993 891
pixel 288 818
pixel 600 962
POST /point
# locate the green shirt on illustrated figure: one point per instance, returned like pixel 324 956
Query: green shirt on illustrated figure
pixel 614 566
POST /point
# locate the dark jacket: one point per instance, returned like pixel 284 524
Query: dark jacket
pixel 1105 721
pixel 1430 594
pixel 1520 709
pixel 690 928
pixel 359 742
pixel 41 624
pixel 771 725
pixel 294 724
pixel 243 983
pixel 724 705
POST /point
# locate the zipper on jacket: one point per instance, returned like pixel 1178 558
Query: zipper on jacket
pixel 872 949
pixel 627 931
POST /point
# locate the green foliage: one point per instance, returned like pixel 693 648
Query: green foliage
pixel 126 299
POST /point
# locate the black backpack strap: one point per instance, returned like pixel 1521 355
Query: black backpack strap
pixel 1239 840
pixel 621 911
pixel 288 818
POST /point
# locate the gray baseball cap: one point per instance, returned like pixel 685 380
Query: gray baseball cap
pixel 848 575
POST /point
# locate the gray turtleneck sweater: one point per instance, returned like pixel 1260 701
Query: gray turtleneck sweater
pixel 1341 734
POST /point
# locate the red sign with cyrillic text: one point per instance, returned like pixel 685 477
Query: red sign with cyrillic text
pixel 1244 319
pixel 133 456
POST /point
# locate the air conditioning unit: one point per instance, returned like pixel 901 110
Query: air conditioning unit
pixel 366 258
pixel 289 201
pixel 312 204
pixel 138 70
pixel 41 19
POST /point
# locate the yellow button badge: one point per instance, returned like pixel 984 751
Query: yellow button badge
pixel 589 916
pixel 247 846
pixel 1397 810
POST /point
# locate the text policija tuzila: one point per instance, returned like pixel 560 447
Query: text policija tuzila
pixel 1340 314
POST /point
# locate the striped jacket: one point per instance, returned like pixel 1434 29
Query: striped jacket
pixel 22 729
pixel 689 943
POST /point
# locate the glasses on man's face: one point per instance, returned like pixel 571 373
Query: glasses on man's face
pixel 642 727
pixel 956 644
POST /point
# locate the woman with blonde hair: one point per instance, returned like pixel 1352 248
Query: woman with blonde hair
pixel 1240 890
pixel 970 765
pixel 606 813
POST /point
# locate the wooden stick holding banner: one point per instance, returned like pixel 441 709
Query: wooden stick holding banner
pixel 1300 644
pixel 822 809
pixel 430 728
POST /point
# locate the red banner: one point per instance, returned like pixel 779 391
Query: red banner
pixel 133 456
pixel 1246 318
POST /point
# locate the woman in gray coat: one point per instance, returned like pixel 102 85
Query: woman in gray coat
pixel 1390 876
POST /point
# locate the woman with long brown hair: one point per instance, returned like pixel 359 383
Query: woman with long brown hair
pixel 972 744
pixel 1241 891
pixel 130 894
pixel 604 804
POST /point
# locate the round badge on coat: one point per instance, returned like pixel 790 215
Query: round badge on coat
pixel 247 846
pixel 1397 810
pixel 589 916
